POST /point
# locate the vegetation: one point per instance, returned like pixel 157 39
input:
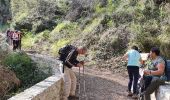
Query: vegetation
pixel 106 27
pixel 25 69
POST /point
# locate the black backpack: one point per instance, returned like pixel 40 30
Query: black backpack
pixel 64 51
pixel 167 69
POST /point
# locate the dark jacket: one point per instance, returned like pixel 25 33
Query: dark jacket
pixel 71 59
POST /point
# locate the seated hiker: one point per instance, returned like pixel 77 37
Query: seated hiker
pixel 154 72
pixel 68 55
pixel 133 65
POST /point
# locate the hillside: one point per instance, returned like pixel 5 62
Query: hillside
pixel 106 27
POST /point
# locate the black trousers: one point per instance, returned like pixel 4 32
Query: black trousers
pixel 133 72
pixel 15 44
pixel 19 44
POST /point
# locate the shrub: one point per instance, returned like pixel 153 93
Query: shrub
pixel 46 34
pixel 165 44
pixel 28 40
pixel 122 17
pixel 58 44
pixel 24 68
pixel 146 41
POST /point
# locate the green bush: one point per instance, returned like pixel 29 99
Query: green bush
pixel 46 34
pixel 24 68
pixel 165 44
pixel 122 17
pixel 28 40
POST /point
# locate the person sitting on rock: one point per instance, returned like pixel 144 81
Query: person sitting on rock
pixel 154 72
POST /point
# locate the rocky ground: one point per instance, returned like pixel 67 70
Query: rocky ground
pixel 103 85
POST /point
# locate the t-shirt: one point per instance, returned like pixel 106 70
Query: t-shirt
pixel 133 58
pixel 155 62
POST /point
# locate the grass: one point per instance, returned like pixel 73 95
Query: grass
pixel 28 40
pixel 58 44
pixel 109 9
pixel 90 27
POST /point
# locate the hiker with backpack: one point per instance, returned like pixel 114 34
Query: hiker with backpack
pixel 15 38
pixel 68 55
pixel 134 62
pixel 154 75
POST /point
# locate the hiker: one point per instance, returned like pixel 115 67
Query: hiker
pixel 19 39
pixel 8 35
pixel 11 36
pixel 15 38
pixel 133 65
pixel 70 79
pixel 153 75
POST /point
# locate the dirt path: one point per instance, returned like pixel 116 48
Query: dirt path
pixel 104 85
pixel 101 84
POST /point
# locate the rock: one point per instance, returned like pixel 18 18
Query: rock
pixel 8 81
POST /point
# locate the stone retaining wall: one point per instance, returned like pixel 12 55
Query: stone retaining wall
pixel 164 92
pixel 49 89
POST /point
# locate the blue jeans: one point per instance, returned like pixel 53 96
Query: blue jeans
pixel 133 72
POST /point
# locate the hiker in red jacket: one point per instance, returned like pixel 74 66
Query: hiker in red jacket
pixel 15 37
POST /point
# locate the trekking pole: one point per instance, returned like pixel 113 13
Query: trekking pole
pixel 84 85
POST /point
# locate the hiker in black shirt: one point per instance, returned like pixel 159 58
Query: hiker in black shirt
pixel 70 79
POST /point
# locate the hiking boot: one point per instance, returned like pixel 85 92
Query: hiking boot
pixel 130 93
pixel 135 96
pixel 73 98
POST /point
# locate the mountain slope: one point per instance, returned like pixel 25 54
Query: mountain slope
pixel 106 27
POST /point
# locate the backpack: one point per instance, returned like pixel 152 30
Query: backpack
pixel 167 69
pixel 64 51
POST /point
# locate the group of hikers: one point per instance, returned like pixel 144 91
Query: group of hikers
pixel 14 39
pixel 152 74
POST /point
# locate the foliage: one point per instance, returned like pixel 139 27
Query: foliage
pixel 28 40
pixel 39 15
pixel 24 68
pixel 58 44
pixel 143 22
pixel 90 27
pixel 165 44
